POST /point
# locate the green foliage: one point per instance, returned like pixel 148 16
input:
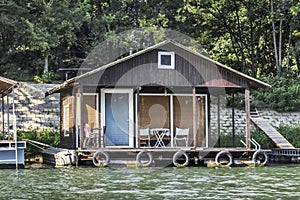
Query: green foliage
pixel 47 77
pixel 292 134
pixel 284 95
pixel 236 33
pixel 46 136
pixel 262 139
pixel 226 140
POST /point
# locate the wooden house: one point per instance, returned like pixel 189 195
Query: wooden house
pixel 146 99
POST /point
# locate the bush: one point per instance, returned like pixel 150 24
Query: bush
pixel 226 140
pixel 46 136
pixel 47 77
pixel 262 139
pixel 292 134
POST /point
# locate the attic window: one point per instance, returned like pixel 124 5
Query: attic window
pixel 166 60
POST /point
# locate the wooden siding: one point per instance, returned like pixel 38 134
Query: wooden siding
pixel 190 70
pixel 141 68
pixel 67 141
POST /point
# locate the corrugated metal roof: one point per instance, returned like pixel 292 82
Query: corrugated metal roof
pixel 253 83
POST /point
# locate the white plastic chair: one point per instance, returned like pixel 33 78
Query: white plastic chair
pixel 145 135
pixel 182 134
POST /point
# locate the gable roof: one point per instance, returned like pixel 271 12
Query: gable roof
pixel 6 86
pixel 252 82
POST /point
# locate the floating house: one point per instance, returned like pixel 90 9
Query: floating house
pixel 153 101
pixel 11 150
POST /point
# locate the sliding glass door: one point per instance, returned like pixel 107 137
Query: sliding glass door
pixel 117 110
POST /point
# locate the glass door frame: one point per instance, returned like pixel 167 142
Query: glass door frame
pixel 79 109
pixel 130 117
pixel 171 99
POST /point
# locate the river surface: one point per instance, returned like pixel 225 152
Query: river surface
pixel 271 182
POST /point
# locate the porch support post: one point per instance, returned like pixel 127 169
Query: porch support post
pixel 3 124
pixel 81 120
pixel 194 118
pixel 233 124
pixel 15 127
pixel 8 130
pixel 172 119
pixel 219 124
pixel 138 117
pixel 76 119
pixel 247 109
pixel 208 118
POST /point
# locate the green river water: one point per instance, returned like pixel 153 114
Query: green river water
pixel 271 182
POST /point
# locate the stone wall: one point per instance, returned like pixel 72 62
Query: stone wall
pixel 226 120
pixel 276 119
pixel 33 110
pixel 280 118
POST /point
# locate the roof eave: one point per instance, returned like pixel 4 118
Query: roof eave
pixel 249 79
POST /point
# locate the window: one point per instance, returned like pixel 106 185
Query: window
pixel 66 125
pixel 166 60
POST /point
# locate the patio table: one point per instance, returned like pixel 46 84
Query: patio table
pixel 159 133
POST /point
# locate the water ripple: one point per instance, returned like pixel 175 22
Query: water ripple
pixel 275 182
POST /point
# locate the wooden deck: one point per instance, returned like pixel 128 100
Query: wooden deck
pixel 165 156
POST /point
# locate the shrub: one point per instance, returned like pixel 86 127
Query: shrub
pixel 292 134
pixel 47 77
pixel 262 139
pixel 46 136
pixel 226 140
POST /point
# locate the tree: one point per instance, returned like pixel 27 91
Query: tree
pixel 253 36
pixel 11 30
pixel 295 33
pixel 51 24
pixel 235 32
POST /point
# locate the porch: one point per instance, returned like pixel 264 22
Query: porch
pixel 141 118
pixel 148 117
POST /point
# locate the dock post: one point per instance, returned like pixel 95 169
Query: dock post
pixel 233 121
pixel 219 125
pixel 3 124
pixel 247 109
pixel 8 125
pixel 138 114
pixel 194 118
pixel 15 127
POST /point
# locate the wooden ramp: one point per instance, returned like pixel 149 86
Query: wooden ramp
pixel 271 132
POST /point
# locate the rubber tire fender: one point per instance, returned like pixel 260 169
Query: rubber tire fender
pixel 139 156
pixel 177 155
pixel 100 163
pixel 222 153
pixel 256 153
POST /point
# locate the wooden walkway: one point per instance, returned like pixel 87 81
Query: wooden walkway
pixel 271 132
